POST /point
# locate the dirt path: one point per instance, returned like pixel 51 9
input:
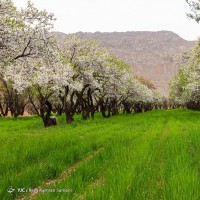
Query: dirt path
pixel 64 175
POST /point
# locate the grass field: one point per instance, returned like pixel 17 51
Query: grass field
pixel 153 155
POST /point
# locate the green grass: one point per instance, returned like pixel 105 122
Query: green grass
pixel 153 155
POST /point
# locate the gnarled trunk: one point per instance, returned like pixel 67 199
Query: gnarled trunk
pixel 69 117
pixel 45 113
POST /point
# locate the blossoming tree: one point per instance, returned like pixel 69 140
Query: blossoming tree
pixel 24 36
pixel 185 87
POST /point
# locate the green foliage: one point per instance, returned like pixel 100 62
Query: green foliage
pixel 119 63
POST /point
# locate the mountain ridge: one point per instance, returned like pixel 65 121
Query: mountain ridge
pixel 150 54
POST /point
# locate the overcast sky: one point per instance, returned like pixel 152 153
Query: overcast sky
pixel 120 15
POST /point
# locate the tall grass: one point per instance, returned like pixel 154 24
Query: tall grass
pixel 153 155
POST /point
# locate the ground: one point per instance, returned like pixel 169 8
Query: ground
pixel 153 155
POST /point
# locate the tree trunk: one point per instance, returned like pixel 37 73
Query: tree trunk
pixel 45 113
pixel 92 114
pixel 69 118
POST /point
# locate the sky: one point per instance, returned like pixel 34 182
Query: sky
pixel 119 15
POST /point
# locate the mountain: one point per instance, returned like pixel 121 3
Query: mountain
pixel 150 54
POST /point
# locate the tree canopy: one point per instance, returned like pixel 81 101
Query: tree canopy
pixel 78 76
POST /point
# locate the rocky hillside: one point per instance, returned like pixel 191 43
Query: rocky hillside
pixel 150 54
